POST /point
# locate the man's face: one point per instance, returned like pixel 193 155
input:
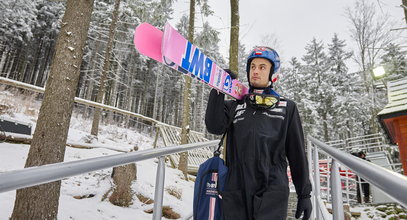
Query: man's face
pixel 259 72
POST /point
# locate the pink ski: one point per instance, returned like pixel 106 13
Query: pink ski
pixel 147 40
pixel 172 49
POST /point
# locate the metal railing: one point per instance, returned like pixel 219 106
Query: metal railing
pixel 366 143
pixel 389 182
pixel 53 172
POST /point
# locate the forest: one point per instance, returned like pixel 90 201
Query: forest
pixel 334 102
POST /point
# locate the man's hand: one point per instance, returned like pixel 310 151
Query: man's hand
pixel 303 205
pixel 232 74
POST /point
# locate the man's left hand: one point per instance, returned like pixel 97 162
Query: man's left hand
pixel 303 205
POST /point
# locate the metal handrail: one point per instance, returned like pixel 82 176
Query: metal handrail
pixel 388 181
pixel 33 176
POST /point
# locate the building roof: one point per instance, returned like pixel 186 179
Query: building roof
pixel 397 95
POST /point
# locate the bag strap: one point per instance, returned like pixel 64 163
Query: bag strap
pixel 232 110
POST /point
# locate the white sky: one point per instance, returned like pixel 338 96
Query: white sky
pixel 294 23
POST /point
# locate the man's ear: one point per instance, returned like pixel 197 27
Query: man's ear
pixel 274 77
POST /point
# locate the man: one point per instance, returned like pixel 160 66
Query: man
pixel 265 132
pixel 363 183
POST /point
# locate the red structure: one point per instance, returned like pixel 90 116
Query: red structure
pixel 394 117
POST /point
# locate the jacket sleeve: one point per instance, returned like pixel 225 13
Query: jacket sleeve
pixel 295 151
pixel 217 113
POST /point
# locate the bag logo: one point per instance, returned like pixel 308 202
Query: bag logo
pixel 212 186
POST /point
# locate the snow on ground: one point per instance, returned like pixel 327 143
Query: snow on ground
pixel 13 156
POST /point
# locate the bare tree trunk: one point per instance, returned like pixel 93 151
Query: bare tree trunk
pixel 146 88
pixel 115 88
pixel 404 2
pixel 113 99
pixel 106 66
pixel 17 63
pixel 45 67
pixel 156 97
pixel 91 74
pixel 49 140
pixel 371 35
pixel 325 126
pixel 3 57
pixel 122 178
pixel 234 37
pixel 183 160
pixel 130 104
pixel 194 106
pixel 36 65
pixel 162 110
pixel 10 63
pixel 22 64
pixel 42 62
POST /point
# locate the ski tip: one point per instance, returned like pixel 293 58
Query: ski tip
pixel 147 40
pixel 141 33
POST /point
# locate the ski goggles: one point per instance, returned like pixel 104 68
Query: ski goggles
pixel 264 101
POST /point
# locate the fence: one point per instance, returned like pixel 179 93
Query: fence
pixel 367 143
pixel 169 134
pixel 388 181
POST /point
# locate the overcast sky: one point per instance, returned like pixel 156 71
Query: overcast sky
pixel 293 22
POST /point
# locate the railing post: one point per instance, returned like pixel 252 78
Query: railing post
pixel 317 183
pixel 347 186
pixel 159 189
pixel 336 190
pixel 328 179
pixel 310 161
pixel 157 131
pixel 362 198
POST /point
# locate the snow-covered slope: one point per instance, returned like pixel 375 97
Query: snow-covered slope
pixel 12 157
pixel 95 184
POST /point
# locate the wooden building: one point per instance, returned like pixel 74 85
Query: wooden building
pixel 394 117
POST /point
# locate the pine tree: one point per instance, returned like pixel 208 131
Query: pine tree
pixel 234 36
pixel 42 45
pixel 344 99
pixel 290 81
pixel 395 62
pixel 319 94
pixel 242 64
pixel 18 20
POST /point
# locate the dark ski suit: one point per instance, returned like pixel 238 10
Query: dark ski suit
pixel 258 143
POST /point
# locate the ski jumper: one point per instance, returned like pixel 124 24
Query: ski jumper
pixel 259 142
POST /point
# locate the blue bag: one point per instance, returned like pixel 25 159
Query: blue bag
pixel 209 183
